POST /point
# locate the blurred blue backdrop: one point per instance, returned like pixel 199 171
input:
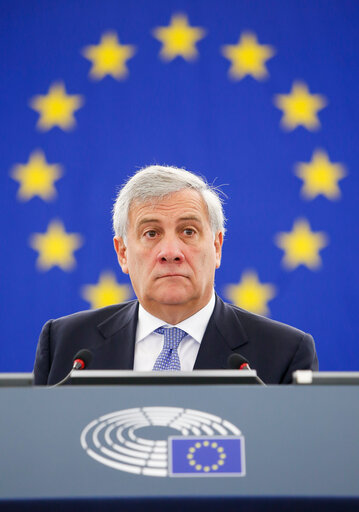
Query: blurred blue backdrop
pixel 259 97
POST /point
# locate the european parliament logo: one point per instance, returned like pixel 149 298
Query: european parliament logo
pixel 166 442
pixel 206 456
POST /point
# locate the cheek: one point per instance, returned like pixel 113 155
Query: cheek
pixel 131 262
pixel 210 259
pixel 203 259
pixel 139 262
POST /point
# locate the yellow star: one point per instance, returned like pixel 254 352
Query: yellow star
pixel 248 57
pixel 56 108
pixel 55 247
pixel 251 294
pixel 300 107
pixel 179 38
pixel 320 176
pixel 37 177
pixel 302 246
pixel 106 292
pixel 109 57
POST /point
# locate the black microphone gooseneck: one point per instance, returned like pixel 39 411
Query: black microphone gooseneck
pixel 81 360
pixel 238 362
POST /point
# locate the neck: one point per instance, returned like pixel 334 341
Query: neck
pixel 173 314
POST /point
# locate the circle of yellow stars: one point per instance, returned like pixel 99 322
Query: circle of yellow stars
pixel 219 451
pixel 300 108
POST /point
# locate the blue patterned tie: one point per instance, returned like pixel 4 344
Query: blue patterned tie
pixel 168 358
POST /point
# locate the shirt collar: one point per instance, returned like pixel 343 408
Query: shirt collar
pixel 195 325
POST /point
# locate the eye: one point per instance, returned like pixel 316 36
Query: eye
pixel 189 231
pixel 150 234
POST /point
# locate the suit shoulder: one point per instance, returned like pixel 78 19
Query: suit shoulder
pixel 253 323
pixel 93 316
pixel 274 349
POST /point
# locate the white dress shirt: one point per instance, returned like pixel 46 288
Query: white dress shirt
pixel 149 344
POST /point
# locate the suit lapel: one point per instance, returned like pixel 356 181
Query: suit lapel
pixel 223 336
pixel 115 349
pixel 115 345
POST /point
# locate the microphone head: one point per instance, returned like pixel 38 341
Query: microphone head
pixel 85 356
pixel 235 361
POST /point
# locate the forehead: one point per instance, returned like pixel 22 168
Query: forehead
pixel 182 204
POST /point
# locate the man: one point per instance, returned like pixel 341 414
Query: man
pixel 169 228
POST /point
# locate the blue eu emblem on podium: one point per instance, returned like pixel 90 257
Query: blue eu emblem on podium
pixel 206 456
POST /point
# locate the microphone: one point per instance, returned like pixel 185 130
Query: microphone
pixel 237 362
pixel 80 361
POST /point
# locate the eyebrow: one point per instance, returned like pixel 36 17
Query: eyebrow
pixel 145 221
pixel 181 219
pixel 190 217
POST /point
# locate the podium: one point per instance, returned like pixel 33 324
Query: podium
pixel 88 447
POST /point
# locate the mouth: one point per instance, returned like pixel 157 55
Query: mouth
pixel 171 275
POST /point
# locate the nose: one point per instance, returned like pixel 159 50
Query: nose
pixel 170 251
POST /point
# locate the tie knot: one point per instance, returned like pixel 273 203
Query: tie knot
pixel 172 335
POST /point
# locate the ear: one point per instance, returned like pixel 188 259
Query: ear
pixel 218 242
pixel 121 251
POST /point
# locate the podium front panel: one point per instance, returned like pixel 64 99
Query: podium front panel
pixel 287 441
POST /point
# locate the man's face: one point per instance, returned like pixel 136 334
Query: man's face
pixel 171 254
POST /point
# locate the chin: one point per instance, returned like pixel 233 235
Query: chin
pixel 173 297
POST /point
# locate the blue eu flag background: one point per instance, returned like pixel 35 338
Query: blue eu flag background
pixel 203 456
pixel 259 97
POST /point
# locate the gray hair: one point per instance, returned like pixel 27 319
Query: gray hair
pixel 156 182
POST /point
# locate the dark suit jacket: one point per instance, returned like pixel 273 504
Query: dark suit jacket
pixel 273 349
